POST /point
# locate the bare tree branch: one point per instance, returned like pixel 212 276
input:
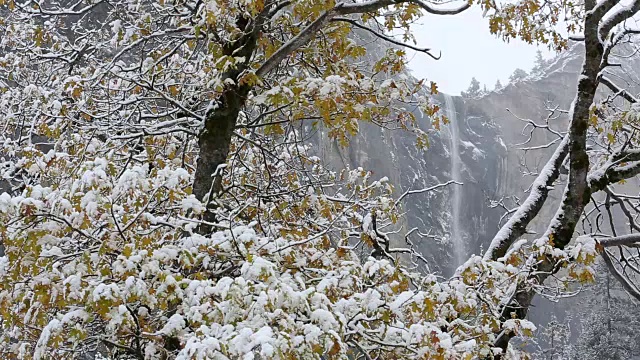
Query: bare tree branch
pixel 626 284
pixel 387 38
pixel 616 90
pixel 342 9
pixel 518 222
pixel 623 240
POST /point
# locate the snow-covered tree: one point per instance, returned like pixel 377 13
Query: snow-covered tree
pixel 556 338
pixel 473 90
pixel 609 323
pixel 590 187
pixel 539 63
pixel 498 85
pixel 517 75
pixel 160 202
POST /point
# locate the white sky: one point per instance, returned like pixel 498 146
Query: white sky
pixel 468 50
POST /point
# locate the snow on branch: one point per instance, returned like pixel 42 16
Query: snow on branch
pixel 613 172
pixel 632 240
pixel 619 16
pixel 429 189
pixel 517 224
pixel 389 39
pixel 616 90
pixel 626 284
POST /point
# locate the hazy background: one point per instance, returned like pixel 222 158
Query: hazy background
pixel 468 50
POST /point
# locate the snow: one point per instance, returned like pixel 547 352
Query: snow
pixel 4 265
pixel 584 245
pixel 400 301
pixel 476 153
pixel 533 201
pixel 106 292
pixel 257 269
pixel 6 202
pixel 40 350
pixel 366 223
pixel 517 325
pixel 174 325
pixel 191 203
pixel 325 319
pixel 52 252
pixel 116 26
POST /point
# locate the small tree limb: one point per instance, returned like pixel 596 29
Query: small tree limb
pixel 387 38
pixel 626 284
pixel 622 240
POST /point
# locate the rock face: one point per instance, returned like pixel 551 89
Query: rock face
pixel 468 150
pixel 482 147
pixel 478 147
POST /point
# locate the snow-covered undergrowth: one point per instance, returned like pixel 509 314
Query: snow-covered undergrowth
pixel 107 254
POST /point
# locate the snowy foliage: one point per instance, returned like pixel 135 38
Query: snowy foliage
pixel 105 253
pixel 108 110
pixel 103 247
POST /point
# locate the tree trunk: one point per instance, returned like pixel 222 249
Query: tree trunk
pixel 215 141
pixel 577 192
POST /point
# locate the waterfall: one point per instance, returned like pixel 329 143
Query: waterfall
pixel 457 240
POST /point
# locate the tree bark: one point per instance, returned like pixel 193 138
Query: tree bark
pixel 517 224
pixel 577 192
pixel 214 140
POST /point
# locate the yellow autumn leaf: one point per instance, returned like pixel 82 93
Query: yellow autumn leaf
pixel 434 88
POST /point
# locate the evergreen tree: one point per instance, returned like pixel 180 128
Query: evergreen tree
pixel 539 64
pixel 518 75
pixel 498 85
pixel 610 323
pixel 473 90
pixel 556 337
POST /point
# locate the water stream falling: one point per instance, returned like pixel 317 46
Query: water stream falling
pixel 457 240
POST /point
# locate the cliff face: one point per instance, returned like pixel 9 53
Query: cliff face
pixel 490 134
pixel 482 147
pixel 479 147
pixel 477 163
